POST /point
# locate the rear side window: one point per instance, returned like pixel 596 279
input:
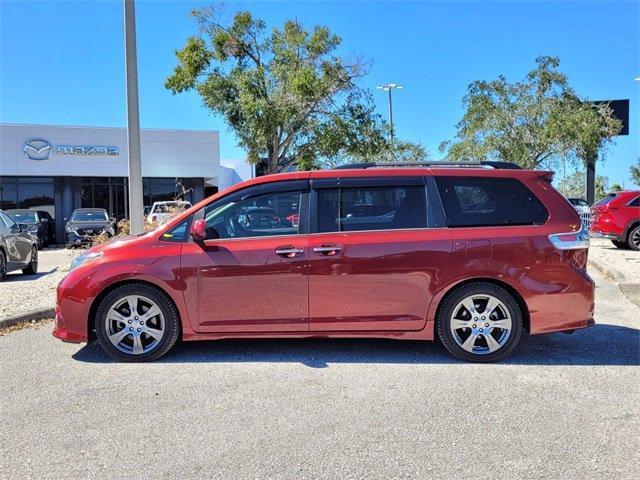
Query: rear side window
pixel 635 202
pixel 479 202
pixel 605 200
pixel 351 209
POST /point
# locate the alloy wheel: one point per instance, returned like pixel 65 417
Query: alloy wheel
pixel 635 238
pixel 481 324
pixel 135 324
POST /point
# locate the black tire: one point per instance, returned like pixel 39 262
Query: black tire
pixel 633 239
pixel 446 311
pixel 3 266
pixel 32 268
pixel 169 312
pixel 619 244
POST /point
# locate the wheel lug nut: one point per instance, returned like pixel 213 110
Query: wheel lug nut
pixel 474 325
pixel 131 329
pixel 483 318
pixel 135 318
pixel 128 321
pixel 139 329
pixel 481 330
pixel 142 323
pixel 486 324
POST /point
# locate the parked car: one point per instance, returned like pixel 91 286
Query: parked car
pixel 617 217
pixel 583 209
pixel 37 222
pixel 86 223
pixel 18 248
pixel 163 211
pixel 473 255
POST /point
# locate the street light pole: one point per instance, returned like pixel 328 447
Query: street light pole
pixel 388 87
pixel 136 204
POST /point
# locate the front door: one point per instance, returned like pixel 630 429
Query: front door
pixel 373 262
pixel 251 274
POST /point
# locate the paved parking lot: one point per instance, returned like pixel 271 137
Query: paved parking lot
pixel 562 407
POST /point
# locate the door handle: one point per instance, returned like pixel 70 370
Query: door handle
pixel 288 251
pixel 327 249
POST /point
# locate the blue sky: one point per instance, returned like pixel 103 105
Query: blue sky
pixel 63 62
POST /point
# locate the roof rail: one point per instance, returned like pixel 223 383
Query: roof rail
pixel 483 163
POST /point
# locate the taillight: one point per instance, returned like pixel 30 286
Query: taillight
pixel 573 247
pixel 571 240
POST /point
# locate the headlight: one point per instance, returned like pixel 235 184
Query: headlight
pixel 70 229
pixel 84 258
pixel 32 228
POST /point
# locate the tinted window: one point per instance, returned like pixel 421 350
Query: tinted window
pixel 471 202
pixel 605 200
pixel 371 208
pixel 635 202
pixel 276 213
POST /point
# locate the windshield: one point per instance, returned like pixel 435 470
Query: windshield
pixel 89 217
pixel 170 207
pixel 24 217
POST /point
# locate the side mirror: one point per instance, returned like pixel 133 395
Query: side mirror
pixel 199 230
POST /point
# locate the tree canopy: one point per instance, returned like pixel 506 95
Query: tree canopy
pixel 536 122
pixel 574 186
pixel 285 92
pixel 635 172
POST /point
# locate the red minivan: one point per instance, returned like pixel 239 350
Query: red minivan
pixel 477 254
pixel 617 217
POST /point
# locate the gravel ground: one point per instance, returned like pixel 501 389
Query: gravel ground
pixel 562 407
pixel 624 260
pixel 20 293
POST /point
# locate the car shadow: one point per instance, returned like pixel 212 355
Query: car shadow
pixel 598 345
pixel 18 276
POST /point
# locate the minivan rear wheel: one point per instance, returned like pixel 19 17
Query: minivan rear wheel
pixel 479 322
pixel 137 322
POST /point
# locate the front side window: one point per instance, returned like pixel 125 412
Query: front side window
pixel 482 201
pixel 6 220
pixel 371 208
pixel 275 213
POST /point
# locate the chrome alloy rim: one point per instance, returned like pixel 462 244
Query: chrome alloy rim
pixel 134 324
pixel 481 324
pixel 635 237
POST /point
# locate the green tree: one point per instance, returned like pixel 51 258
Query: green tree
pixel 286 94
pixel 536 122
pixel 616 187
pixel 635 172
pixel 574 186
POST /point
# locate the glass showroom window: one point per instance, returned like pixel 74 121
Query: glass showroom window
pixel 35 193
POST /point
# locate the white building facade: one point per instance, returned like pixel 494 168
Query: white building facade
pixel 61 168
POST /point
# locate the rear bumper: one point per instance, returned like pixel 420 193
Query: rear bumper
pixel 610 236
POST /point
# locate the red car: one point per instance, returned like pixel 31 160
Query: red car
pixel 475 255
pixel 617 217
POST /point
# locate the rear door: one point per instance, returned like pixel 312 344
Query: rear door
pixel 373 261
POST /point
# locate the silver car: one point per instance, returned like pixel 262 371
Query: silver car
pixel 18 249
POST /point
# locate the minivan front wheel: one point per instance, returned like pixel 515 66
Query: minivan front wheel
pixel 479 322
pixel 136 323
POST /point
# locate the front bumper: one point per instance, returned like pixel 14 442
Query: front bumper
pixel 75 239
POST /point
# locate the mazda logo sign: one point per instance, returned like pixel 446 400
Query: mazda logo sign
pixel 37 149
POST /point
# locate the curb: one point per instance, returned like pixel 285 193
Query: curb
pixel 607 271
pixel 36 314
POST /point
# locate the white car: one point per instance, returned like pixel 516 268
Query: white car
pixel 161 212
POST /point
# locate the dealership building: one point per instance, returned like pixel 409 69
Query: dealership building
pixel 61 168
